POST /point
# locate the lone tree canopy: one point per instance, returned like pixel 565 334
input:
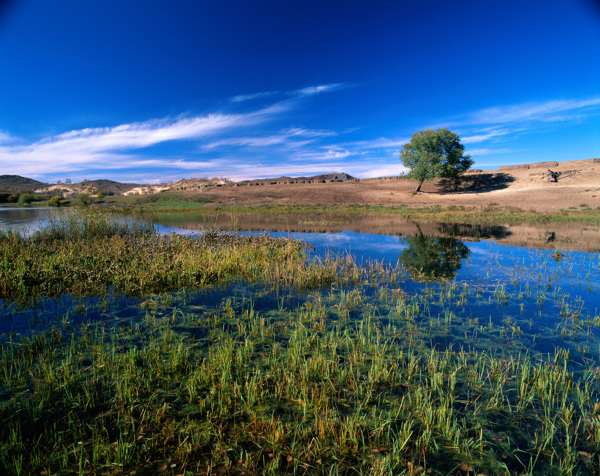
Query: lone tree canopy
pixel 431 154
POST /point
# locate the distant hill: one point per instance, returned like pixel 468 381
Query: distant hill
pixel 16 183
pixel 109 187
pixel 342 177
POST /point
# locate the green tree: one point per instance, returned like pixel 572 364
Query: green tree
pixel 431 154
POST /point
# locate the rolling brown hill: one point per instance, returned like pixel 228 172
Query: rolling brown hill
pixel 523 186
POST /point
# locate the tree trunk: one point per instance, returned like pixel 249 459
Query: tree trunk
pixel 418 189
pixel 552 176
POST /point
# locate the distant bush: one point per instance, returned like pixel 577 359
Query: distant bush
pixel 155 197
pixel 25 199
pixel 84 199
pixel 54 201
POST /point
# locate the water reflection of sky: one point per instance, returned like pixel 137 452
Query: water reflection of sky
pixel 26 218
pixel 361 246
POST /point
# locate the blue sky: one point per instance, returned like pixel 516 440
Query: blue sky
pixel 161 90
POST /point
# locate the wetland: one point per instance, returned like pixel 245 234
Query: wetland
pixel 321 343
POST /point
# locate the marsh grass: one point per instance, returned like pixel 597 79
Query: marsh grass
pixel 92 253
pixel 307 367
pixel 91 224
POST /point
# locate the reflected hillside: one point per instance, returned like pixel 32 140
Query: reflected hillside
pixel 565 236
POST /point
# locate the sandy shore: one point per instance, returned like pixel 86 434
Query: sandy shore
pixel 523 186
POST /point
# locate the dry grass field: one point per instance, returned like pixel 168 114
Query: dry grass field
pixel 523 186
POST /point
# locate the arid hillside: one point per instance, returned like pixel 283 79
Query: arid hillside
pixel 523 186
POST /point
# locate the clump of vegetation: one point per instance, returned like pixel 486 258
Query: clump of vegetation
pixel 26 199
pixel 84 199
pixel 7 197
pixel 88 252
pixel 54 201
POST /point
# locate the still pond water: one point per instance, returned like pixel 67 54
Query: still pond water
pixel 532 286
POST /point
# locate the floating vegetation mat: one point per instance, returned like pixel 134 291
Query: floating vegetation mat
pixel 224 354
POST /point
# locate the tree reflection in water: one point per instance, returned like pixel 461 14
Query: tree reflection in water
pixel 432 259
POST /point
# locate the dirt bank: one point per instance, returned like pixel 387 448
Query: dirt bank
pixel 523 186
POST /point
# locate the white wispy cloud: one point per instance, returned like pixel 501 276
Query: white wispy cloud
pixel 248 171
pixel 379 143
pixel 250 97
pixel 548 111
pixel 123 147
pixel 292 137
pixel 324 153
pixel 267 141
pixel 115 147
pixel 487 128
pixel 366 170
pixel 484 135
pixel 6 138
pixel 303 92
pixel 312 90
pixel 484 151
pixel 298 131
